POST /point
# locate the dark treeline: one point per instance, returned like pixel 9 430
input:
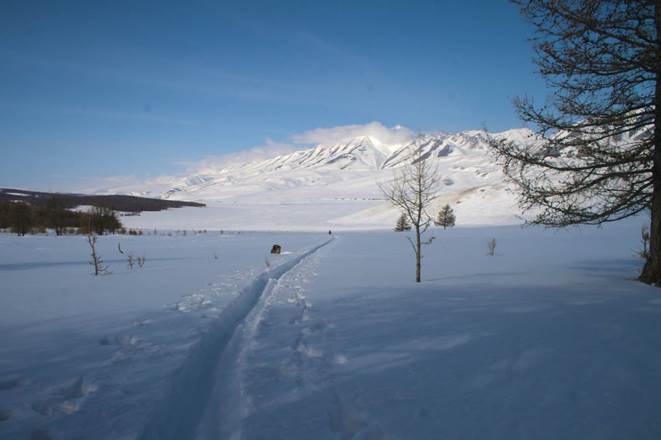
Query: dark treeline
pixel 24 218
pixel 120 203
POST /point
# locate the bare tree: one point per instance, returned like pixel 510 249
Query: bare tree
pixel 412 191
pixel 600 155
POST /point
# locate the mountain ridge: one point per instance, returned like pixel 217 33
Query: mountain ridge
pixel 362 153
pixel 336 185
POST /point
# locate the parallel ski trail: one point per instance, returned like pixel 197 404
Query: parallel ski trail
pixel 223 421
pixel 180 413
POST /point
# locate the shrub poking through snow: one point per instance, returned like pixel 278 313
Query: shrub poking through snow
pixel 491 247
pixel 132 260
pixel 96 261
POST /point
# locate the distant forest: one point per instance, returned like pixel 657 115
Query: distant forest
pixel 114 202
pixel 25 212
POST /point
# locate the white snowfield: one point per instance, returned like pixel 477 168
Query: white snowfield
pixel 551 338
pixel 337 186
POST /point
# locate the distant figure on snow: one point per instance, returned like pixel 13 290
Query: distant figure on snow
pixel 329 232
pixel 276 249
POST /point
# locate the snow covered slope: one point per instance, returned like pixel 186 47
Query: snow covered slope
pixel 336 186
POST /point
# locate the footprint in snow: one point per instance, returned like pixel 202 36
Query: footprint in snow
pixel 340 359
pixel 66 398
pixel 315 328
pixel 309 352
pixel 350 423
pixel 11 382
pixel 531 358
pixel 105 341
pixel 40 434
pixel 5 414
pixel 344 419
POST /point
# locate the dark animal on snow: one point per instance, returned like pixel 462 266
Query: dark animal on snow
pixel 276 249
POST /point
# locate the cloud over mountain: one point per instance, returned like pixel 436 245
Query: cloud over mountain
pixel 344 133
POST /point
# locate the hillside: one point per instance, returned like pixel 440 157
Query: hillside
pixel 335 186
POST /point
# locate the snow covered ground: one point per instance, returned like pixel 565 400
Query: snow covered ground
pixel 550 338
pixel 88 357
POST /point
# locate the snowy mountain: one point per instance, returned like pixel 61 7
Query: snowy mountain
pixel 336 185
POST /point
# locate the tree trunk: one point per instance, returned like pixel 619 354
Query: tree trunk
pixel 652 271
pixel 418 254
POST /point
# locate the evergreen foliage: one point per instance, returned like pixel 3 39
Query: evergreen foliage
pixel 23 218
pixel 445 217
pixel 402 224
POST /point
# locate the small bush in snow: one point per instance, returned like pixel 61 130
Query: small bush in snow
pixel 96 261
pixel 491 247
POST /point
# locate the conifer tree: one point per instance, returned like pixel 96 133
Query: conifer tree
pixel 402 224
pixel 56 215
pixel 445 217
pixel 22 218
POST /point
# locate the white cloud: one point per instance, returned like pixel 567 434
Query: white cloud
pixel 343 133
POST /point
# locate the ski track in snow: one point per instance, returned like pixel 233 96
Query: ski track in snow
pixel 203 300
pixel 224 421
pixel 305 368
pixel 203 387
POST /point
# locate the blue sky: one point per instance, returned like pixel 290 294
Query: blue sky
pixel 94 89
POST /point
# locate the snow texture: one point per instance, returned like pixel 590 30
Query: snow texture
pixel 552 337
pixel 89 357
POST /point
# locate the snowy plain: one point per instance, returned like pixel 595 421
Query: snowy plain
pixel 87 357
pixel 550 338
